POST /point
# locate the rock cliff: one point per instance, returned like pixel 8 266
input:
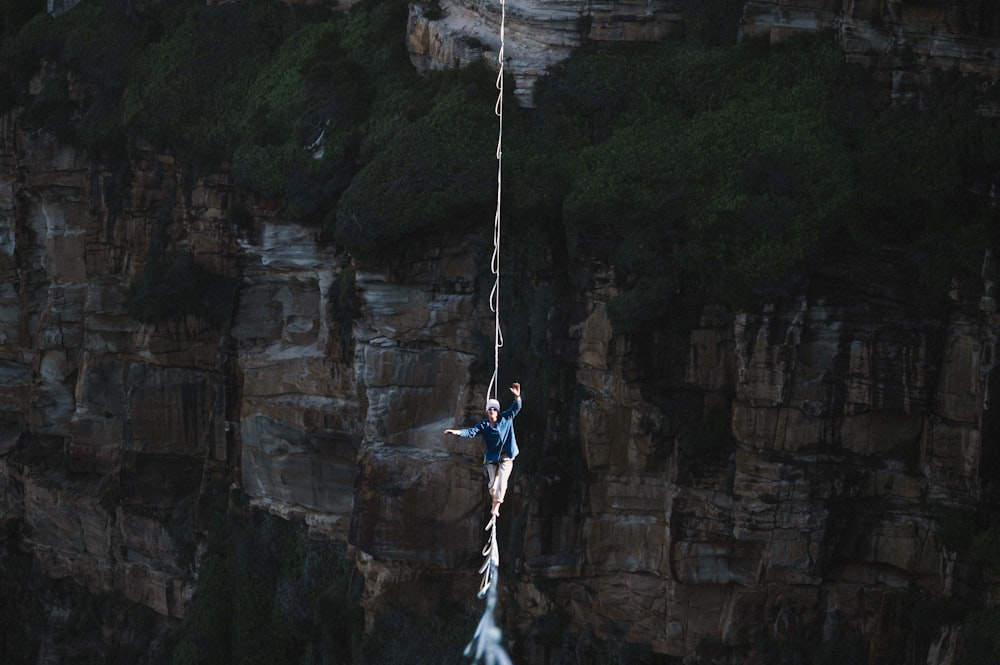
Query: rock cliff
pixel 727 482
pixel 907 41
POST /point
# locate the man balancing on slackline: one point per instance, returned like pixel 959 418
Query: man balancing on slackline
pixel 497 430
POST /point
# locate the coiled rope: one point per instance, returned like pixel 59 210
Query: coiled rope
pixel 492 558
pixel 486 645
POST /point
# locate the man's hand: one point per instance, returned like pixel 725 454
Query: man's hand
pixel 516 389
pixel 453 432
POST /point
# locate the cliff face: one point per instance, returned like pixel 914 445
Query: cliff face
pixel 906 41
pixel 837 428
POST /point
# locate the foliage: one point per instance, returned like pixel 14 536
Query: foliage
pixel 344 308
pixel 15 13
pixel 706 438
pixel 95 39
pixel 400 639
pixel 267 594
pixel 956 530
pixel 981 638
pixel 727 193
pixel 930 206
pixel 172 285
pixel 789 651
pixel 728 171
pixel 22 586
pixel 712 22
pixel 435 174
pixel 38 610
pixel 695 168
pixel 974 536
pixel 179 523
pixel 190 87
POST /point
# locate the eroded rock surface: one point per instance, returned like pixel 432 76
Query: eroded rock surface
pixel 774 475
pixel 537 33
pixel 905 40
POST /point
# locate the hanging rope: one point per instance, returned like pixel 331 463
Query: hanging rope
pixel 486 645
pixel 491 552
pixel 495 262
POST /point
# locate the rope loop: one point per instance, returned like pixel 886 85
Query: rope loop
pixel 495 261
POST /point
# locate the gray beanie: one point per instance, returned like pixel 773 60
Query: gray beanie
pixel 492 404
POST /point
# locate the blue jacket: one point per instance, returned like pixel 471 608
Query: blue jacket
pixel 500 439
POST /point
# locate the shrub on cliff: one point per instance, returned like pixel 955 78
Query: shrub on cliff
pixel 301 112
pixel 728 172
pixel 173 285
pixel 89 46
pixel 435 173
pixel 268 594
pixel 189 88
pixel 15 13
pixel 716 169
pixel 980 643
pixel 721 172
pixel 924 177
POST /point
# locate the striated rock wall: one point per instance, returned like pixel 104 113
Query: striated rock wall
pixel 779 475
pixel 101 413
pixel 321 397
pixel 907 41
pixel 856 422
pixel 537 34
pixel 773 477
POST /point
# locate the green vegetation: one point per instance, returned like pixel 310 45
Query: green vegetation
pixel 267 594
pixel 38 611
pixel 344 307
pixel 173 286
pixel 696 167
pixel 95 40
pixel 21 585
pixel 728 171
pixel 972 536
pixel 981 638
pixel 400 639
pixel 434 175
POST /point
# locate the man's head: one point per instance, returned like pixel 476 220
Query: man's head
pixel 492 410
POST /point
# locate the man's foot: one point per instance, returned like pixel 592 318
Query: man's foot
pixel 496 510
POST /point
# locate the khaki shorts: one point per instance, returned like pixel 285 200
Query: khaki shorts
pixel 497 475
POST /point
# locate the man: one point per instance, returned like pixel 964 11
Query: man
pixel 497 430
